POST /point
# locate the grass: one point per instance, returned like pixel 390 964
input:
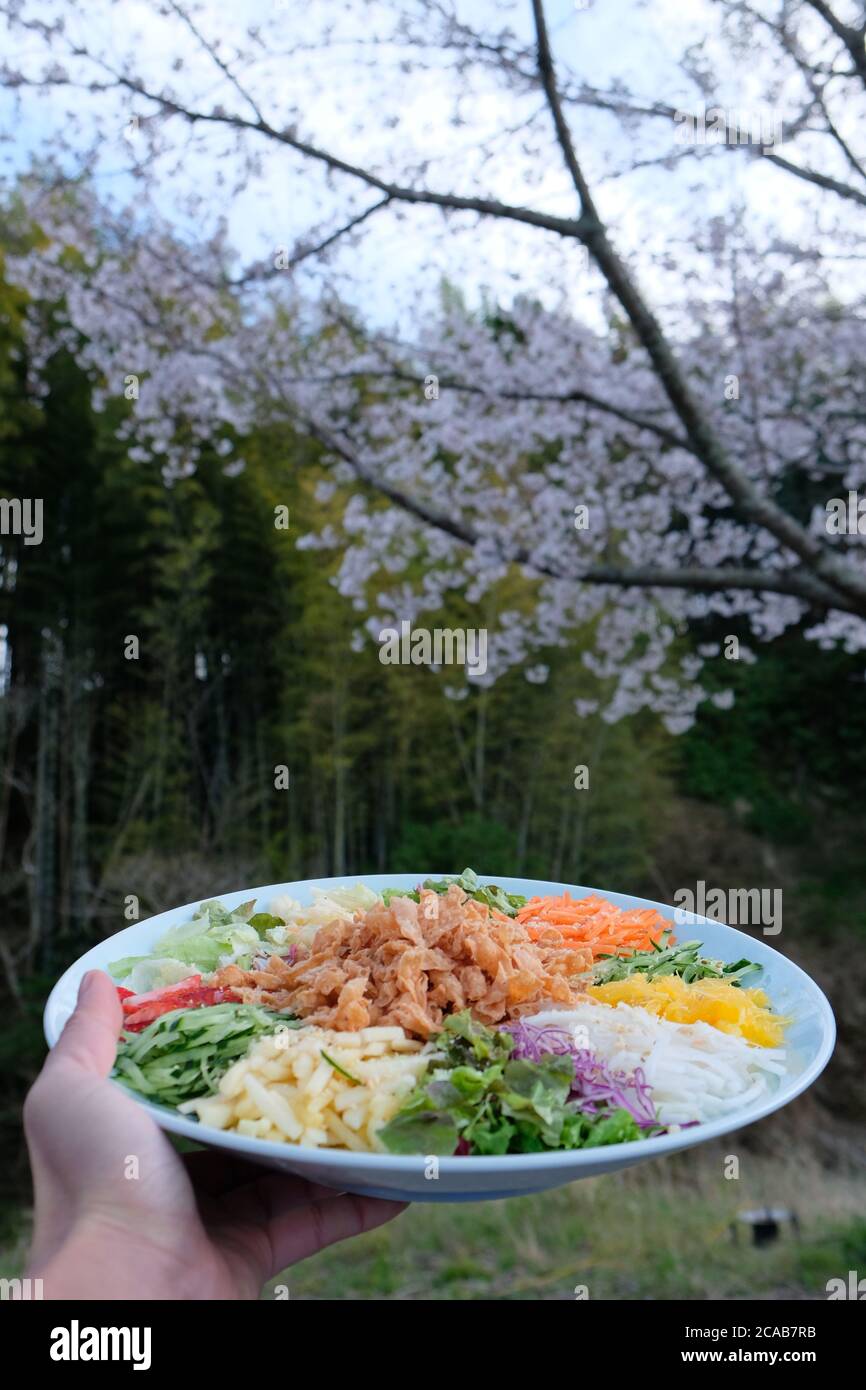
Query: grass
pixel 666 1230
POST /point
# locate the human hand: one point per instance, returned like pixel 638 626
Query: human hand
pixel 120 1214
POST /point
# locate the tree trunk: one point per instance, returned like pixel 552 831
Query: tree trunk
pixel 79 750
pixel 45 810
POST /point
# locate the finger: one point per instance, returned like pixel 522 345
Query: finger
pixel 90 1036
pixel 296 1233
pixel 218 1175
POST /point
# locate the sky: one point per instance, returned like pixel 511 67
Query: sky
pixel 376 115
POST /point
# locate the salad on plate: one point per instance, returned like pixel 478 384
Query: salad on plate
pixel 454 1018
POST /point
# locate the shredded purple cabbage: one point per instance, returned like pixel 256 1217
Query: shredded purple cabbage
pixel 595 1083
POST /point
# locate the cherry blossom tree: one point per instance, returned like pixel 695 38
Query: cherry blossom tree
pixel 649 427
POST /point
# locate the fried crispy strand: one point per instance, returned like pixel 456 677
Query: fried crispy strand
pixel 408 964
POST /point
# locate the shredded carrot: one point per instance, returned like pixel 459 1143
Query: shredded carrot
pixel 594 922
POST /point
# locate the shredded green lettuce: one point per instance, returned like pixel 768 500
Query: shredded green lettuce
pixel 214 935
pixel 143 974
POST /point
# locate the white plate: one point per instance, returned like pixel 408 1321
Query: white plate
pixel 809 1042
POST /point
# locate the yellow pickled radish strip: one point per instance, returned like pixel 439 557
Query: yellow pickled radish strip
pixel 731 1009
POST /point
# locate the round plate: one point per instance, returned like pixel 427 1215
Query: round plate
pixel 809 1042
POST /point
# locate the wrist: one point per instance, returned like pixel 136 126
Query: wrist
pixel 93 1263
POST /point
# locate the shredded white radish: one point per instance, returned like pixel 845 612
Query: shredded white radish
pixel 695 1071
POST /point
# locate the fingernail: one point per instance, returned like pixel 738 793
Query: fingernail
pixel 86 985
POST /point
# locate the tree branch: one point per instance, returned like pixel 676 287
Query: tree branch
pixel 576 397
pixel 851 38
pixel 662 111
pixel 210 50
pixel 454 202
pixel 833 575
pixel 844 190
pixel 751 504
pixel 306 252
pixel 794 583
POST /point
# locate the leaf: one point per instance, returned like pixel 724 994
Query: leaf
pixel 420 1132
pixel 616 1128
pixel 265 921
pixel 483 1043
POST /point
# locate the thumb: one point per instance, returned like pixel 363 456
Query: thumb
pixel 90 1036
